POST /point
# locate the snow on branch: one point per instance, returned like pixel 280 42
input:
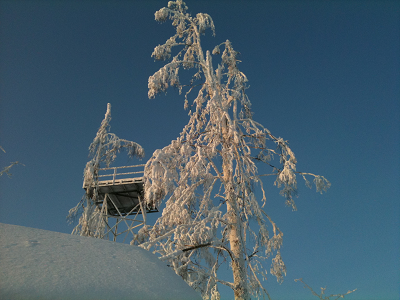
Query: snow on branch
pixel 322 295
pixel 6 170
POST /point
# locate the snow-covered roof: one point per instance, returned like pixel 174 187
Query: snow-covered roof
pixel 40 264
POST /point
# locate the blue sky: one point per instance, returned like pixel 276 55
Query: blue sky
pixel 323 75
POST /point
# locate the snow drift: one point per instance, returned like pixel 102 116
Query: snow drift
pixel 40 264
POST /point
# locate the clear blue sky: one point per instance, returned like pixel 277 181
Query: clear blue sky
pixel 323 75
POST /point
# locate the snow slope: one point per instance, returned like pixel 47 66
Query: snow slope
pixel 39 264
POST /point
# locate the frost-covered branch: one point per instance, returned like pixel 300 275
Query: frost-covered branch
pixel 6 170
pixel 322 295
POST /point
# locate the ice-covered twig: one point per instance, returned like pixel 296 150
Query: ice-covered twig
pixel 322 296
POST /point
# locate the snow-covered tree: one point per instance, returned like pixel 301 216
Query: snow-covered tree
pixel 103 151
pixel 208 175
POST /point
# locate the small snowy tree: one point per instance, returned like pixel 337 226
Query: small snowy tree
pixel 209 172
pixel 103 151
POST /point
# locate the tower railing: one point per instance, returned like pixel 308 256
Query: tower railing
pixel 118 176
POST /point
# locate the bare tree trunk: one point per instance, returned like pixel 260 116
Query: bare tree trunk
pixel 235 227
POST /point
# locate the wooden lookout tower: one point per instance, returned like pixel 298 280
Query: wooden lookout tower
pixel 120 200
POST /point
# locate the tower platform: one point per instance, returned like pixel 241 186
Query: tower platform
pixel 121 197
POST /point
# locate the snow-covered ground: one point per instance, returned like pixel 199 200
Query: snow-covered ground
pixel 40 264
